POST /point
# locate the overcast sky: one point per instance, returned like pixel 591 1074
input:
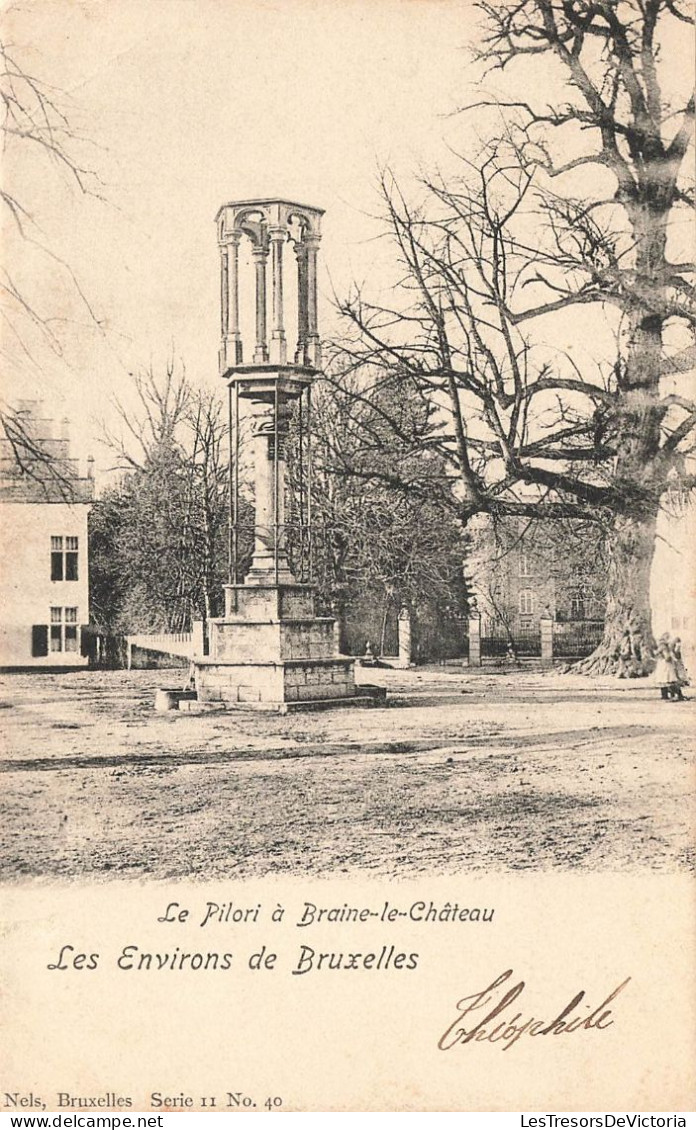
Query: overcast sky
pixel 186 104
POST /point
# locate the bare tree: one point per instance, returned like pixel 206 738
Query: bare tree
pixel 152 421
pixel 165 519
pixel 34 121
pixel 375 541
pixel 209 460
pixel 497 262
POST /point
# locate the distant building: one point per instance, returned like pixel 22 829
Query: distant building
pixel 522 569
pixel 44 569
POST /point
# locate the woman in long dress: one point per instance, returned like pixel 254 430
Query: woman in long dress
pixel 666 669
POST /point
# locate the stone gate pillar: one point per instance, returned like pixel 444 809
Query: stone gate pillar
pixel 546 630
pixel 404 638
pixel 475 640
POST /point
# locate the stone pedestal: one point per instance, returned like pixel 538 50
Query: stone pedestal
pixel 270 651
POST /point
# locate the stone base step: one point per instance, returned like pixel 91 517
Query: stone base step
pixel 364 696
pixel 194 706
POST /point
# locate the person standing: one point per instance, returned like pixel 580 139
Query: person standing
pixel 682 677
pixel 665 669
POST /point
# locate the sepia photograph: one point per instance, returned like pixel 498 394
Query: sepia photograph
pixel 348 567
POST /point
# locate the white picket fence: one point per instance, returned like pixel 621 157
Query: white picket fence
pixel 169 643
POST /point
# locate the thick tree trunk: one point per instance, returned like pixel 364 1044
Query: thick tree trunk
pixel 626 649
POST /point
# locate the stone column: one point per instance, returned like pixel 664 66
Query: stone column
pixel 267 447
pixel 475 640
pixel 262 432
pixel 260 255
pixel 404 636
pixel 278 343
pixel 546 630
pixel 313 347
pixel 231 351
pixel 302 305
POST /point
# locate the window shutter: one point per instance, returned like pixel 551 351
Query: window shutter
pixel 39 640
pixel 86 641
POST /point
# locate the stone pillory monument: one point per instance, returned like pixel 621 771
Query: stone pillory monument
pixel 270 649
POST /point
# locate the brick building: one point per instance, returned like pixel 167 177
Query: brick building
pixel 521 570
pixel 44 570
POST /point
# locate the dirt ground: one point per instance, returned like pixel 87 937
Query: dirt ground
pixel 460 771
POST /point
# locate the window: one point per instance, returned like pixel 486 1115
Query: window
pixel 525 564
pixel 63 627
pixel 71 559
pixel 526 602
pixel 580 599
pixel 56 559
pixel 64 553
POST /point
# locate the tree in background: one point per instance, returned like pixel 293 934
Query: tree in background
pixel 159 536
pixel 379 548
pixel 571 215
pixel 38 140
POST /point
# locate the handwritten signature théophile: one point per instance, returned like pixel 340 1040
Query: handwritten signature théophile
pixel 500 1024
